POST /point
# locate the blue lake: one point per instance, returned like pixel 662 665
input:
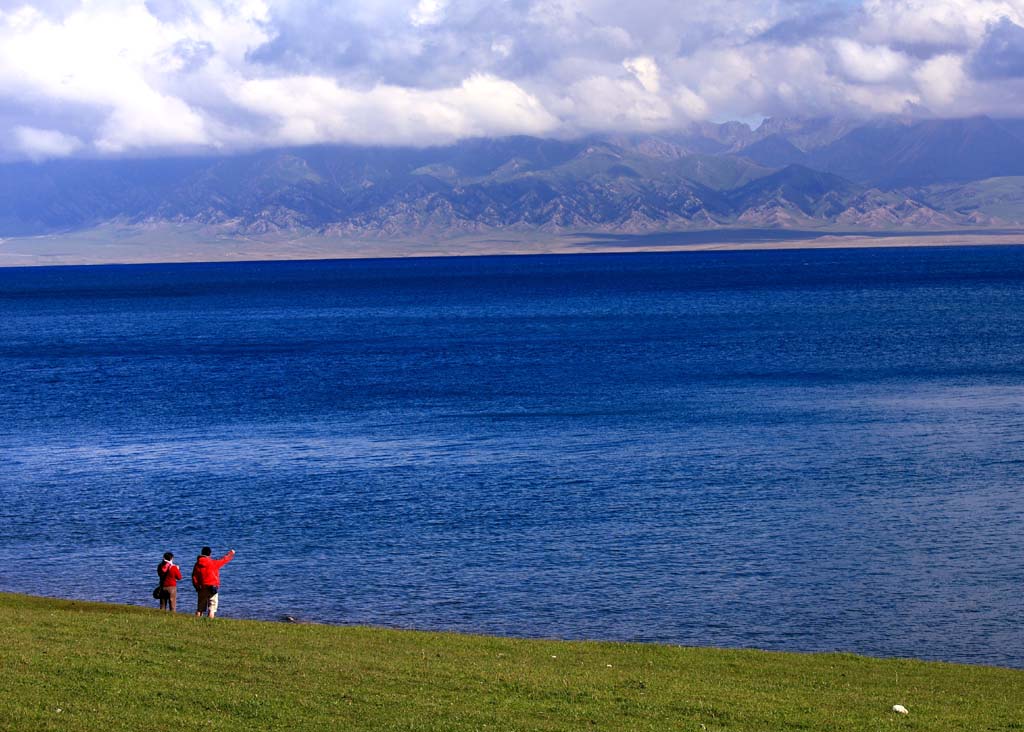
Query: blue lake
pixel 809 450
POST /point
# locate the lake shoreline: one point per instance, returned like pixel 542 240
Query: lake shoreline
pixel 108 245
pixel 185 611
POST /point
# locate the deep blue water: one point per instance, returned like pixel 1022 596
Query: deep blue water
pixel 792 450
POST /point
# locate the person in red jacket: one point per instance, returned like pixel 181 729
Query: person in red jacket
pixel 206 580
pixel 169 575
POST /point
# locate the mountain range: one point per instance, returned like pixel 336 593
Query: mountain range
pixel 887 174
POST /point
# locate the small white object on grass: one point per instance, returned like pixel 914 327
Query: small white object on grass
pixel 900 709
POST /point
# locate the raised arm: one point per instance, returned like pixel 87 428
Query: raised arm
pixel 226 558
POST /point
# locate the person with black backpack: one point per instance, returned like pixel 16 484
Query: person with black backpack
pixel 169 575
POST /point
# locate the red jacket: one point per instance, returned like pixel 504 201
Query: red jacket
pixel 169 574
pixel 206 573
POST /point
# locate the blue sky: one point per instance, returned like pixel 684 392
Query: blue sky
pixel 105 77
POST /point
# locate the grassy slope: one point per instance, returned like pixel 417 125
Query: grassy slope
pixel 80 666
pixel 1002 198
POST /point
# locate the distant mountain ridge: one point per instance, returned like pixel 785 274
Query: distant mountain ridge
pixel 880 174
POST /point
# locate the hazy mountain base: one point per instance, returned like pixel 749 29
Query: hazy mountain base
pixel 170 243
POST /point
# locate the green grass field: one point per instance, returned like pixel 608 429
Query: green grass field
pixel 82 666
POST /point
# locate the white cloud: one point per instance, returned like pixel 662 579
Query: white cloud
pixel 39 144
pixel 869 64
pixel 502 47
pixel 690 103
pixel 940 79
pixel 308 109
pixel 20 19
pixel 935 22
pixel 646 71
pixel 151 120
pixel 874 100
pixel 600 102
pixel 114 57
pixel 427 12
pixel 122 76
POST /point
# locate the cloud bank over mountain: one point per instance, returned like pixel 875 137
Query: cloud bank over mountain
pixel 128 77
